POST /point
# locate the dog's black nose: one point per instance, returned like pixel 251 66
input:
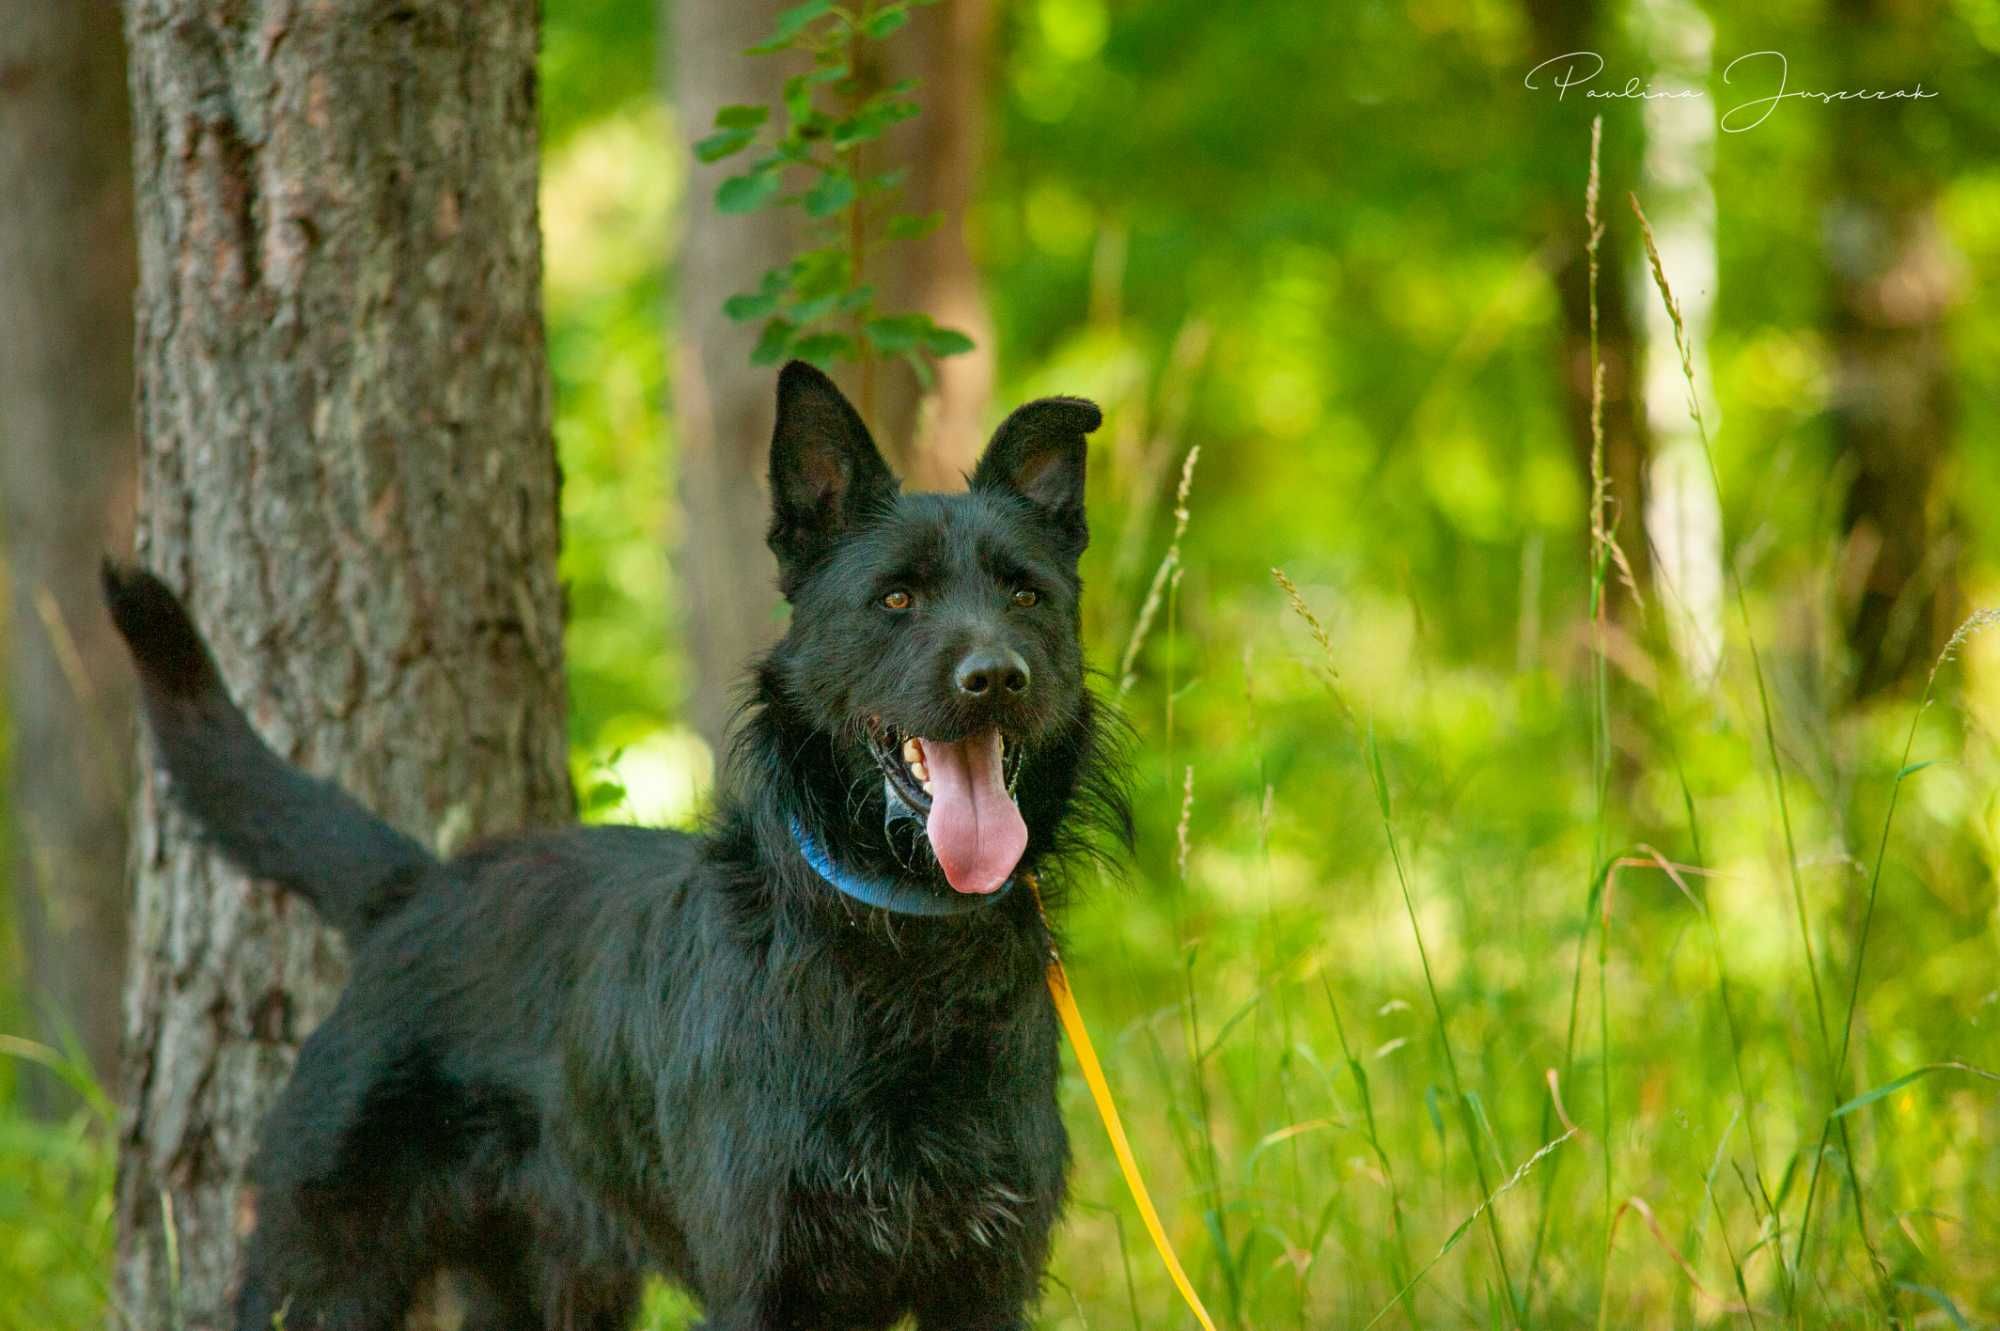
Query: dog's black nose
pixel 988 673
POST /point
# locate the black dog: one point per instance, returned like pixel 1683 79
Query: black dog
pixel 803 1062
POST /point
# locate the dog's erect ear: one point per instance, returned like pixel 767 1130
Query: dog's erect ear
pixel 825 470
pixel 1037 453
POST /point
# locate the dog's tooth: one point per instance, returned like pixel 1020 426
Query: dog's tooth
pixel 928 790
pixel 912 751
pixel 922 770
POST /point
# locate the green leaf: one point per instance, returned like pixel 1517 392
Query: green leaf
pixel 909 226
pixel 872 120
pixel 745 306
pixel 823 347
pixel 1235 1020
pixel 790 24
pixel 1914 768
pixel 895 334
pixel 1375 769
pixel 798 97
pixel 857 129
pixel 818 272
pixel 807 311
pixel 833 193
pixel 946 341
pixel 1785 1181
pixel 1272 1140
pixel 1889 1088
pixel 1212 1219
pixel 746 193
pixel 1941 1299
pixel 773 342
pixel 765 300
pixel 723 144
pixel 885 21
pixel 741 117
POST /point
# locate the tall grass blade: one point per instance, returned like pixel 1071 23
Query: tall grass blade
pixel 1889 1088
pixel 1372 755
pixel 1778 778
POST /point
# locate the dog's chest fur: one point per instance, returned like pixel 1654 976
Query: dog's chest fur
pixel 942 1161
pixel 863 1113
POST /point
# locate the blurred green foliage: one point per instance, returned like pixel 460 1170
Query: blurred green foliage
pixel 812 154
pixel 1317 243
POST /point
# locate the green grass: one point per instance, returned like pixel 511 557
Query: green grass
pixel 1677 1190
pixel 55 1197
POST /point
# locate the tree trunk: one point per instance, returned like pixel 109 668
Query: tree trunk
pixel 722 403
pixel 1683 512
pixel 346 468
pixel 1625 436
pixel 1578 25
pixel 1894 279
pixel 66 471
pixel 936 437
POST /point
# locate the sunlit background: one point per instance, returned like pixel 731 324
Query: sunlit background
pixel 1339 250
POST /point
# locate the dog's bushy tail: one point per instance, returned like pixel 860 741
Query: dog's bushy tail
pixel 268 817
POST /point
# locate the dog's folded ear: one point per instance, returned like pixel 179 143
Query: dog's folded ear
pixel 826 473
pixel 1038 454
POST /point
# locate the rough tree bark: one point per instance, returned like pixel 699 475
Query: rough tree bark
pixel 722 403
pixel 66 271
pixel 346 467
pixel 1894 279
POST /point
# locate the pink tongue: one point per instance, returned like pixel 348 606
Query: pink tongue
pixel 975 830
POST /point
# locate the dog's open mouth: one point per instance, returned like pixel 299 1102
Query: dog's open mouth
pixel 963 791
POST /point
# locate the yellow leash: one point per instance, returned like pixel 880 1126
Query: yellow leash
pixel 1100 1091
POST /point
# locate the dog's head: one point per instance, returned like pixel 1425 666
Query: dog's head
pixel 934 652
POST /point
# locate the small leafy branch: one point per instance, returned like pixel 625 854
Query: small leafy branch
pixel 820 306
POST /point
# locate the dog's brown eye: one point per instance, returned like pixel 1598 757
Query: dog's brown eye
pixel 896 600
pixel 1026 597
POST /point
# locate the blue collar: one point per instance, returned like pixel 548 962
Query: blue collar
pixel 892 895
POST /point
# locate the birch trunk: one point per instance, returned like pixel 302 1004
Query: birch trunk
pixel 1683 511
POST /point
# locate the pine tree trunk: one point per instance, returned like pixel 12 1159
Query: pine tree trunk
pixel 1683 511
pixel 346 467
pixel 722 403
pixel 66 471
